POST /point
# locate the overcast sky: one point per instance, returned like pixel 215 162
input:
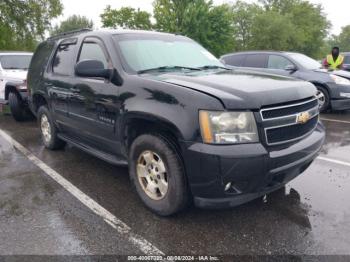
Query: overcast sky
pixel 337 11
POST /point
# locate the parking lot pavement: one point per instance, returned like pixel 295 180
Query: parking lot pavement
pixel 38 216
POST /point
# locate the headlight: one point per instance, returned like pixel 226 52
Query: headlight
pixel 228 127
pixel 340 80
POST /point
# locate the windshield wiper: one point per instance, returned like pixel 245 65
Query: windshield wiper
pixel 161 68
pixel 206 67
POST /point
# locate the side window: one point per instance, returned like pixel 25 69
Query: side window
pixel 234 60
pixel 347 59
pixel 93 51
pixel 278 62
pixel 64 59
pixel 256 60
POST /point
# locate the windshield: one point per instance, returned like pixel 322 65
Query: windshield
pixel 143 52
pixel 305 61
pixel 15 61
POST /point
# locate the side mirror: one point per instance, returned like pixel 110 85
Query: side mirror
pixel 92 68
pixel 291 68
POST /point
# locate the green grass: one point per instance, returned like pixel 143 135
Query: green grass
pixel 5 110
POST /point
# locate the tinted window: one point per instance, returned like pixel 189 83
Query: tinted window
pixel 234 60
pixel 39 62
pixel 15 61
pixel 278 62
pixel 63 61
pixel 258 61
pixel 93 51
pixel 305 61
pixel 347 59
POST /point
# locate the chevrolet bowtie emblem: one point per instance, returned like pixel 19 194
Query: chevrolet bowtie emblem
pixel 304 117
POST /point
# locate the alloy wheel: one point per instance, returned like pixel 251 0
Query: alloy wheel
pixel 152 175
pixel 45 128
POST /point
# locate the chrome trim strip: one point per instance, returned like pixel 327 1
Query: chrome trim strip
pixel 279 107
pixel 313 112
pixel 294 139
pixel 290 140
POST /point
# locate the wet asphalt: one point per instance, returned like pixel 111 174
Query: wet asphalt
pixel 311 215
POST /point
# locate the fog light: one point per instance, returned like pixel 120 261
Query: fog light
pixel 228 186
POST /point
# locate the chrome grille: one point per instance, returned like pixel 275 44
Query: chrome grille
pixel 287 123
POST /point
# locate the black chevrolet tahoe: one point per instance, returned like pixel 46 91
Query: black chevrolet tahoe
pixel 188 128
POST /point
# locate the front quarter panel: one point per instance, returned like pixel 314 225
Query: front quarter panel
pixel 165 103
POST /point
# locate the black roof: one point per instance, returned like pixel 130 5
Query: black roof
pixel 87 31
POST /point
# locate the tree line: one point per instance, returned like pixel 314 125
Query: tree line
pixel 289 25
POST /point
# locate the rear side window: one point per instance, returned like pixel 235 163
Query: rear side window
pixel 347 59
pixel 256 60
pixel 278 62
pixel 92 50
pixel 64 59
pixel 39 62
pixel 234 60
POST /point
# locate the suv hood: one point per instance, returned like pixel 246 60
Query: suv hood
pixel 15 75
pixel 341 73
pixel 239 89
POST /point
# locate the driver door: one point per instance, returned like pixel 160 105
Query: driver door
pixel 93 106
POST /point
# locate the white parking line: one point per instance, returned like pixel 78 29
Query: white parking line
pixel 335 120
pixel 334 161
pixel 122 228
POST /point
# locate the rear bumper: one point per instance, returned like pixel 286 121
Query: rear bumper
pixel 252 170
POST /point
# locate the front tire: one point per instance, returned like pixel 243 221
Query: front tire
pixel 17 109
pixel 157 173
pixel 323 98
pixel 48 130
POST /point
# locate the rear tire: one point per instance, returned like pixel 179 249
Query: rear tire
pixel 323 99
pixel 157 173
pixel 48 130
pixel 17 107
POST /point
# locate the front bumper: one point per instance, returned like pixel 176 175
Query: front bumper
pixel 252 169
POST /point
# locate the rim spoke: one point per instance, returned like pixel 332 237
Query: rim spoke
pixel 151 188
pixel 141 170
pixel 163 187
pixel 161 167
pixel 148 157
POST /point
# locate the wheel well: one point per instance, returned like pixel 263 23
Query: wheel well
pixel 321 85
pixel 8 90
pixel 38 101
pixel 136 127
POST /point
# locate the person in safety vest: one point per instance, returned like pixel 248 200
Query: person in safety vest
pixel 334 60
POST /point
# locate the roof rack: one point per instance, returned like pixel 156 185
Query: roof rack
pixel 73 32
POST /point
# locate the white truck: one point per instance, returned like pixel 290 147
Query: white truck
pixel 13 85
